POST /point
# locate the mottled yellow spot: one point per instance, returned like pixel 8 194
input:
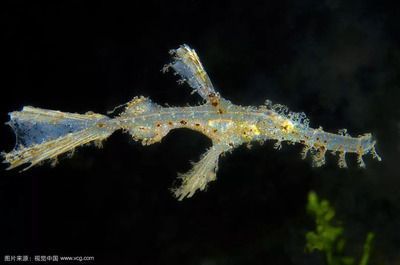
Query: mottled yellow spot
pixel 287 126
pixel 254 129
pixel 248 131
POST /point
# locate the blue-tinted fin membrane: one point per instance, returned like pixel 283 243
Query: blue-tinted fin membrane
pixel 187 75
pixel 35 126
pixel 29 131
pixel 187 64
pixel 44 134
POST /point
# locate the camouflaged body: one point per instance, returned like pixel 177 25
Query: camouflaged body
pixel 45 134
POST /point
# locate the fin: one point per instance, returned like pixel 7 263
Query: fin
pixel 44 134
pixel 201 174
pixel 187 64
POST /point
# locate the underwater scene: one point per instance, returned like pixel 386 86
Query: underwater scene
pixel 200 132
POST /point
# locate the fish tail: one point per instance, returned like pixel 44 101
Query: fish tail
pixel 45 134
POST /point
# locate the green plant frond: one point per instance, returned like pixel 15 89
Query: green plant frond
pixel 327 237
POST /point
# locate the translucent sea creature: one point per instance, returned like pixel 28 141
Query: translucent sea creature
pixel 45 134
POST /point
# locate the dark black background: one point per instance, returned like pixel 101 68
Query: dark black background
pixel 338 61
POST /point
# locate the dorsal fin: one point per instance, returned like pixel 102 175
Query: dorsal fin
pixel 187 64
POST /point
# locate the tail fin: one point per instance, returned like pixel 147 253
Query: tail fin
pixel 44 134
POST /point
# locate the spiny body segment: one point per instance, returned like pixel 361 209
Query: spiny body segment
pixel 45 134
